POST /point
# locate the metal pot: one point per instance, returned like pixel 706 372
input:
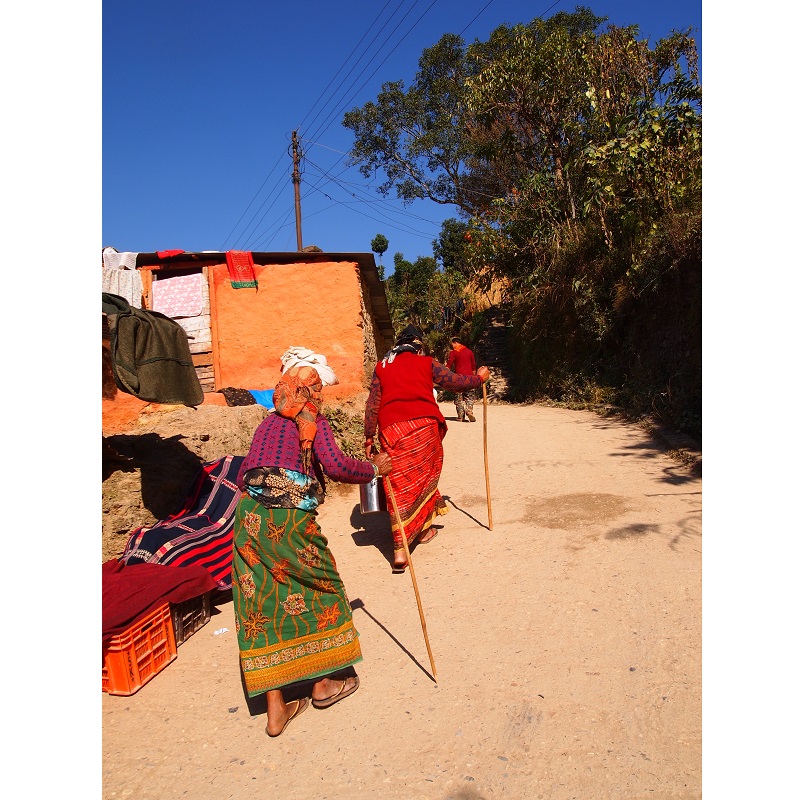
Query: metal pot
pixel 373 497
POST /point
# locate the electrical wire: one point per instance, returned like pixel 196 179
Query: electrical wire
pixel 366 50
pixel 251 202
pixel 350 55
pixel 275 189
pixel 278 225
pixel 366 198
pixel 277 185
pixel 329 116
pixel 337 110
pixel 385 220
pixel 317 132
pixel 477 15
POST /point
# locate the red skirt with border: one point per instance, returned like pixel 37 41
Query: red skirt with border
pixel 415 447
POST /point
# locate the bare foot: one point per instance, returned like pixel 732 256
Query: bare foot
pixel 326 692
pixel 429 534
pixel 280 715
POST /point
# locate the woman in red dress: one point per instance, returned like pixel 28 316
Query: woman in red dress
pixel 402 407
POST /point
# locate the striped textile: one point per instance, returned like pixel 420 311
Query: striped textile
pixel 201 532
pixel 415 447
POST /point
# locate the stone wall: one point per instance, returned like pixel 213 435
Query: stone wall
pixel 371 335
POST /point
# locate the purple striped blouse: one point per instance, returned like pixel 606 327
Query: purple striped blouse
pixel 276 443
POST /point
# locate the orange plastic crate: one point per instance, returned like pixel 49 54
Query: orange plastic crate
pixel 138 654
pixel 188 617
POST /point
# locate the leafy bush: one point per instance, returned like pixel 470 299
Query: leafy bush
pixel 348 429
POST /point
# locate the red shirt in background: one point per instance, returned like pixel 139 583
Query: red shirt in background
pixel 462 361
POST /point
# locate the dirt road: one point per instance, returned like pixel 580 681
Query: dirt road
pixel 567 642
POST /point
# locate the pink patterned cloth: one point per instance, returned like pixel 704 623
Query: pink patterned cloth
pixel 181 296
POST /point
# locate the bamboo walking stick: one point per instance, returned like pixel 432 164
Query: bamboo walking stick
pixel 413 576
pixel 486 454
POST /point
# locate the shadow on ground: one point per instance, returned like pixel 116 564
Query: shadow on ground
pixel 166 466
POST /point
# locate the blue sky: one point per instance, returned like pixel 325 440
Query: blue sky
pixel 199 101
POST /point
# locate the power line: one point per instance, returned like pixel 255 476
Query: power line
pixel 323 126
pixel 407 230
pixel 364 197
pixel 384 220
pixel 380 13
pixel 362 56
pixel 277 186
pixel 476 17
pixel 278 227
pixel 361 200
pixel 251 202
pixel 275 189
pixel 338 109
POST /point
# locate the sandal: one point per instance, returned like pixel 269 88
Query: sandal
pixel 399 569
pixel 340 695
pixel 432 534
pixel 302 705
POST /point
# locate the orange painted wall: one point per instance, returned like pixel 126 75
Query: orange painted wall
pixel 306 305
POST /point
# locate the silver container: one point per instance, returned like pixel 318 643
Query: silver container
pixel 373 497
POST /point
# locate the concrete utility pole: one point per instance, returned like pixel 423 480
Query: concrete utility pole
pixel 296 181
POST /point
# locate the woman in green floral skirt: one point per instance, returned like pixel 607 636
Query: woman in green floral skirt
pixel 293 619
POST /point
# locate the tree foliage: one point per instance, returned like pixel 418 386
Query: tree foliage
pixel 407 290
pixel 571 151
pixel 379 245
pixel 413 136
pixel 450 248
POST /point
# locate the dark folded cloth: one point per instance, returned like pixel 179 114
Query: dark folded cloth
pixel 249 397
pixel 150 355
pixel 238 397
pixel 132 592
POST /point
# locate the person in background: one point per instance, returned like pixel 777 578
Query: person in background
pixel 293 619
pixel 462 361
pixel 402 405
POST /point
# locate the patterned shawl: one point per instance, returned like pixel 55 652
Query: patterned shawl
pixel 298 396
pixel 409 340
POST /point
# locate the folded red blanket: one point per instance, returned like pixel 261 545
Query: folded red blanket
pixel 130 592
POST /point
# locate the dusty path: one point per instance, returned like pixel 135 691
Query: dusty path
pixel 567 642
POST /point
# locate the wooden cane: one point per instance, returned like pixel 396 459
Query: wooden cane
pixel 413 576
pixel 486 454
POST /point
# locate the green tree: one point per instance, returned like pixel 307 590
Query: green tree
pixel 407 290
pixel 608 127
pixel 450 248
pixel 379 245
pixel 415 136
pixel 530 96
pixel 572 151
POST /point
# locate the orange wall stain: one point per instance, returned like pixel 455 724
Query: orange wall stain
pixel 304 305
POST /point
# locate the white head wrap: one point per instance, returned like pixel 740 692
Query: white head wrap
pixel 302 356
